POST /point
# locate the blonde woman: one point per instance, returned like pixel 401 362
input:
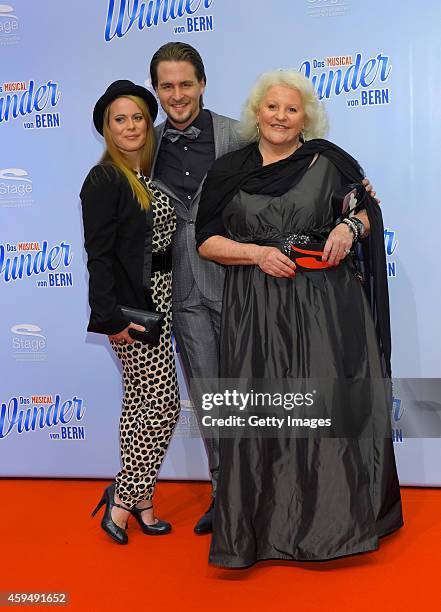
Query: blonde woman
pixel 295 314
pixel 128 227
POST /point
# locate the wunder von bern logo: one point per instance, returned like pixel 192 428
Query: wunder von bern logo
pixel 49 264
pixel 390 244
pixel 16 188
pixel 30 100
pixel 20 415
pixel 359 80
pixel 397 413
pixel 123 15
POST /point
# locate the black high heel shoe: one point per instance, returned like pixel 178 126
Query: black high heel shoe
pixel 116 532
pixel 158 528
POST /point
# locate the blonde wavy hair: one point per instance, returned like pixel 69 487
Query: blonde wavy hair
pixel 112 155
pixel 316 120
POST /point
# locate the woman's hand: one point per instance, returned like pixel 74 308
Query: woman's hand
pixel 338 244
pixel 231 253
pixel 123 336
pixel 272 261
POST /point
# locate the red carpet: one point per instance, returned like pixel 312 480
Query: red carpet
pixel 49 542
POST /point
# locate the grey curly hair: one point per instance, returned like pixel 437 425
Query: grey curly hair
pixel 316 120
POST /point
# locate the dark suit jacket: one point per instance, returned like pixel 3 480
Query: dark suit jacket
pixel 118 241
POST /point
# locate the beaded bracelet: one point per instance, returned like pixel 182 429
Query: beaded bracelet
pixel 360 226
pixel 353 227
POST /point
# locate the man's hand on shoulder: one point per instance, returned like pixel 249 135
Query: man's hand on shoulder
pixel 370 189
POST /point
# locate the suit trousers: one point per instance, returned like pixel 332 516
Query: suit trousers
pixel 196 326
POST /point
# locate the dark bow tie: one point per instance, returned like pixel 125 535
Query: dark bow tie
pixel 191 133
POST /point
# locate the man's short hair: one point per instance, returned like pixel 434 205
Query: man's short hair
pixel 177 52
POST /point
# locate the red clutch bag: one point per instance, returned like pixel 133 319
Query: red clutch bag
pixel 306 254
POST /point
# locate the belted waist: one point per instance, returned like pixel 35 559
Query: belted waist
pixel 162 261
pixel 285 241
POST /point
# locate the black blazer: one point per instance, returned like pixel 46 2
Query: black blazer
pixel 118 241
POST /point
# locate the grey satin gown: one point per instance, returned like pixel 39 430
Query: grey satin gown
pixel 301 498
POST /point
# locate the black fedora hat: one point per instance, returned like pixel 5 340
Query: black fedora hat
pixel 122 88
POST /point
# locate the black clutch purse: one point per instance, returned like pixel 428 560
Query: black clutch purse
pixel 151 321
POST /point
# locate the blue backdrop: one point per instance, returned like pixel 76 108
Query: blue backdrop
pixel 376 66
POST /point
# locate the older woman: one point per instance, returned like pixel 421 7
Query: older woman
pixel 128 227
pixel 276 214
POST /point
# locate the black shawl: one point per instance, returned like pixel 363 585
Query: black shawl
pixel 238 171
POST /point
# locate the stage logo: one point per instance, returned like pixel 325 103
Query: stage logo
pixel 9 25
pixel 361 81
pixel 327 8
pixel 28 343
pixel 123 15
pixel 49 264
pixel 390 244
pixel 61 418
pixel 187 424
pixel 31 100
pixel 15 188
